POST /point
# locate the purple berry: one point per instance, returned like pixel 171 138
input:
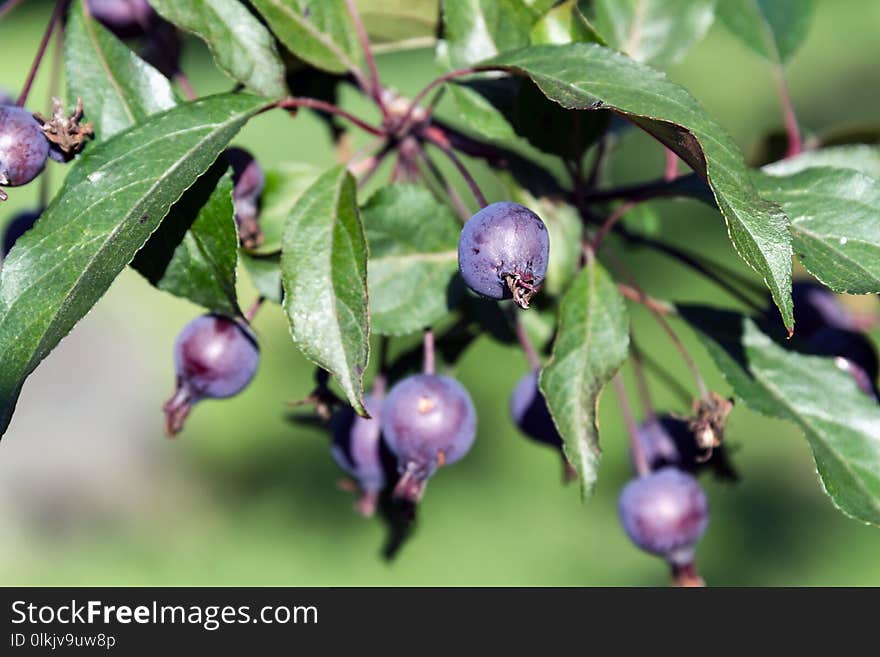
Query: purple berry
pixel 214 357
pixel 357 450
pixel 665 513
pixel 427 421
pixel 125 18
pixel 853 352
pixel 817 307
pixel 248 181
pixel 20 224
pixel 503 252
pixel 657 443
pixel 23 147
pixel 6 98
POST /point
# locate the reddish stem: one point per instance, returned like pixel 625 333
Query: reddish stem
pixel 638 454
pixel 188 90
pixel 453 196
pixel 792 130
pixel 611 221
pixel 642 383
pixel 60 6
pixel 9 6
pixel 406 122
pixel 428 353
pixel 375 86
pixel 251 312
pixel 320 105
pixel 438 139
pixel 670 172
pixel 526 343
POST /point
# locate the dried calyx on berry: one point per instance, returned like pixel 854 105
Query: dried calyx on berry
pixel 66 135
pixel 20 224
pixel 23 148
pixel 503 252
pixel 214 357
pixel 529 411
pixel 667 440
pixel 428 421
pixel 248 182
pixel 708 422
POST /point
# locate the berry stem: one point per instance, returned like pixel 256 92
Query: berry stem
pixel 185 85
pixel 375 85
pixel 638 454
pixel 642 383
pixel 451 193
pixel 9 6
pixel 652 304
pixel 687 576
pixel 669 380
pixel 428 353
pixel 438 139
pixel 251 313
pixel 526 343
pixel 670 172
pixel 792 130
pixel 610 222
pixel 60 6
pixel 322 106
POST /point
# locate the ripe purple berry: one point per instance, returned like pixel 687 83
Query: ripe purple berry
pixel 853 352
pixel 529 411
pixel 20 224
pixel 356 449
pixel 817 307
pixel 665 513
pixel 658 444
pixel 503 252
pixel 6 98
pixel 248 181
pixel 427 421
pixel 214 357
pixel 23 147
pixel 125 18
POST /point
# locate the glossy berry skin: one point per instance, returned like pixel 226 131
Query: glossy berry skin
pixel 529 411
pixel 23 147
pixel 125 18
pixel 356 449
pixel 816 308
pixel 503 252
pixel 248 182
pixel 6 98
pixel 20 224
pixel 853 352
pixel 428 420
pixel 665 513
pixel 214 357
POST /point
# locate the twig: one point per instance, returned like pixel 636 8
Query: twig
pixel 638 454
pixel 330 108
pixel 437 138
pixel 60 5
pixel 652 304
pixel 405 123
pixel 451 193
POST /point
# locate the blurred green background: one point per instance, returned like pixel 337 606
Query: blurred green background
pixel 91 493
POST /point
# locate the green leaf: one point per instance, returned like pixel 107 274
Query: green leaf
pixel 565 23
pixel 474 30
pixel 321 33
pixel 835 224
pixel 587 76
pixel 774 29
pixel 397 22
pixel 591 344
pixel 285 185
pixel 840 422
pixel 241 45
pixel 413 278
pixel 194 252
pixel 658 32
pixel 112 200
pixel 324 273
pixel 265 274
pixel 120 89
pixel 859 157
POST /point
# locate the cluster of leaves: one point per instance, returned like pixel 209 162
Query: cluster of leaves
pixel 561 80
